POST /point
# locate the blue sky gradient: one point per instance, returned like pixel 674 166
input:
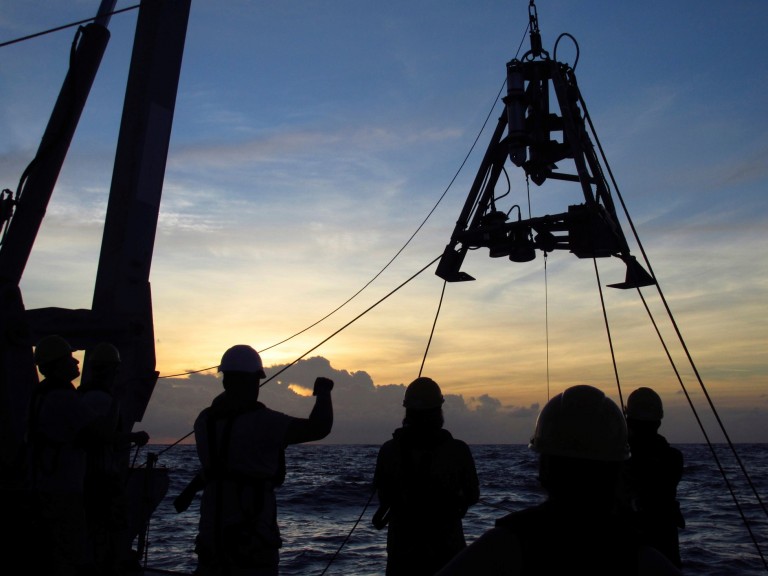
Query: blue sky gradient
pixel 312 139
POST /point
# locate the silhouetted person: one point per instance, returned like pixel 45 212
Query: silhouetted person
pixel 60 425
pixel 653 473
pixel 581 439
pixel 241 443
pixel 426 480
pixel 107 464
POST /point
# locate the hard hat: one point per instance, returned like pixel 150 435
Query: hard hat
pixel 242 358
pixel 582 422
pixel 644 404
pixel 51 348
pixel 104 354
pixel 423 394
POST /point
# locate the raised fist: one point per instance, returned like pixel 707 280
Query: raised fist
pixel 322 386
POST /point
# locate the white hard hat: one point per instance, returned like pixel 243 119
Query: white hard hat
pixel 644 404
pixel 242 358
pixel 423 394
pixel 584 423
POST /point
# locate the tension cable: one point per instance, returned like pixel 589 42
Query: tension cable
pixel 355 319
pixel 432 332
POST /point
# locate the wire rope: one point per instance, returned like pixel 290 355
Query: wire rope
pixel 608 331
pixel 546 321
pixel 355 319
pixel 65 26
pixel 685 349
pixel 434 323
pixel 413 235
pixel 349 534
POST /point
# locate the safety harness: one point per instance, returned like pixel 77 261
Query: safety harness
pixel 231 542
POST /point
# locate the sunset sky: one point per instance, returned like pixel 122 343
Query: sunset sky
pixel 311 140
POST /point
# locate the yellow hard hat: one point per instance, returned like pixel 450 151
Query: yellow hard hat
pixel 584 423
pixel 51 348
pixel 423 394
pixel 644 404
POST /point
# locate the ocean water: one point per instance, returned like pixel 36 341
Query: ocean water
pixel 326 504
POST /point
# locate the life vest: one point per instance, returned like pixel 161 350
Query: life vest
pixel 242 543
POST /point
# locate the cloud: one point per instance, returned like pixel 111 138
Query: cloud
pixel 364 412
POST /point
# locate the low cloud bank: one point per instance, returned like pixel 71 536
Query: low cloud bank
pixel 364 413
pixel 367 414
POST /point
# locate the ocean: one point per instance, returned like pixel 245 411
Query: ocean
pixel 326 504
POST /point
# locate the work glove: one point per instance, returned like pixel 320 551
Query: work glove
pixel 322 386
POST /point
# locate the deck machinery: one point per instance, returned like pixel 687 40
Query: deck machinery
pixel 526 135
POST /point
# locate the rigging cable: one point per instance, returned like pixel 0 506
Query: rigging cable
pixel 432 332
pixel 608 332
pixel 314 348
pixel 439 200
pixel 71 25
pixel 349 534
pixel 685 349
pixel 437 314
pixel 672 319
pixel 466 158
pixel 429 214
pixel 546 319
pixel 448 187
pixel 704 432
pixel 355 319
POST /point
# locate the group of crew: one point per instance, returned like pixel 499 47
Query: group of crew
pixel 610 478
pixel 75 464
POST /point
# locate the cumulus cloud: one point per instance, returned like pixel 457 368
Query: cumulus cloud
pixel 364 412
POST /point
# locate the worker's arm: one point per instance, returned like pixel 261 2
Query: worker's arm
pixel 320 420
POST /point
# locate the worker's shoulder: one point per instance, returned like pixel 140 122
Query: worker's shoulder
pixel 496 552
pixel 651 562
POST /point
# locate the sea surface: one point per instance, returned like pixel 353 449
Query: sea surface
pixel 326 504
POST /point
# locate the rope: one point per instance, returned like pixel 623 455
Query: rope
pixel 439 305
pixel 418 229
pixel 608 331
pixel 65 26
pixel 355 319
pixel 706 436
pixel 546 320
pixel 349 534
pixel 684 346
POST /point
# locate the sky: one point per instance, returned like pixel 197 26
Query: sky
pixel 324 148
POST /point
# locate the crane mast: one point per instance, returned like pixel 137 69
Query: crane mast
pixel 121 311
